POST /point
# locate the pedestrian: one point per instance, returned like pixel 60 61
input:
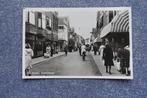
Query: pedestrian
pixel 95 49
pixel 127 48
pixel 108 58
pixel 124 56
pixel 66 49
pixel 92 47
pixel 52 50
pixel 28 57
pixel 48 51
pixel 79 49
pixel 83 50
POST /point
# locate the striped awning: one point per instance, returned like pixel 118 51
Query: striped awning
pixel 105 30
pixel 119 24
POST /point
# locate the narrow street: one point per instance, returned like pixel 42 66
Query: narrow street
pixel 52 32
pixel 72 64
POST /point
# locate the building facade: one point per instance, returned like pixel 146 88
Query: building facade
pixel 63 32
pixel 35 32
pixel 103 19
pixel 40 29
pixel 116 31
pixel 52 30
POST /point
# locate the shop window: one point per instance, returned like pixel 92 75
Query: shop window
pixel 61 27
pixel 40 20
pixel 48 23
pixel 31 17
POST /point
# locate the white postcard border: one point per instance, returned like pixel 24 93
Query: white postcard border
pixel 78 77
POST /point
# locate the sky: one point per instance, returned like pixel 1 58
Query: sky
pixel 83 20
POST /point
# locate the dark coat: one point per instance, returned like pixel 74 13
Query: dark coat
pixel 124 56
pixel 66 48
pixel 94 48
pixel 108 56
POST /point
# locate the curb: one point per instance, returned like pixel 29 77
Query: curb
pixel 95 65
pixel 112 69
pixel 47 59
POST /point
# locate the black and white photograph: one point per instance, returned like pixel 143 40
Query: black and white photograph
pixel 92 43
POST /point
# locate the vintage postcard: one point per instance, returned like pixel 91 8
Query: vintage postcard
pixel 77 43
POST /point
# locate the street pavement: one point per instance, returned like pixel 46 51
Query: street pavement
pixel 70 65
pixel 41 59
pixel 100 64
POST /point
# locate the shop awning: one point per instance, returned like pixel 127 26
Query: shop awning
pixel 119 24
pixel 105 30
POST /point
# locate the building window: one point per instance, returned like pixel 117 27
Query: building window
pixel 61 27
pixel 40 20
pixel 27 16
pixel 43 21
pixel 31 16
pixel 48 23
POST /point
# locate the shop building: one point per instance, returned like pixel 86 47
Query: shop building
pixel 73 40
pixel 52 30
pixel 117 31
pixel 35 32
pixel 63 32
pixel 41 29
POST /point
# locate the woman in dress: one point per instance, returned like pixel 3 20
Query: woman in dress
pixel 28 56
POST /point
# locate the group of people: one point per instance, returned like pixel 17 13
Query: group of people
pixel 121 55
pixel 29 54
pixel 82 50
pixel 109 55
pixel 49 51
